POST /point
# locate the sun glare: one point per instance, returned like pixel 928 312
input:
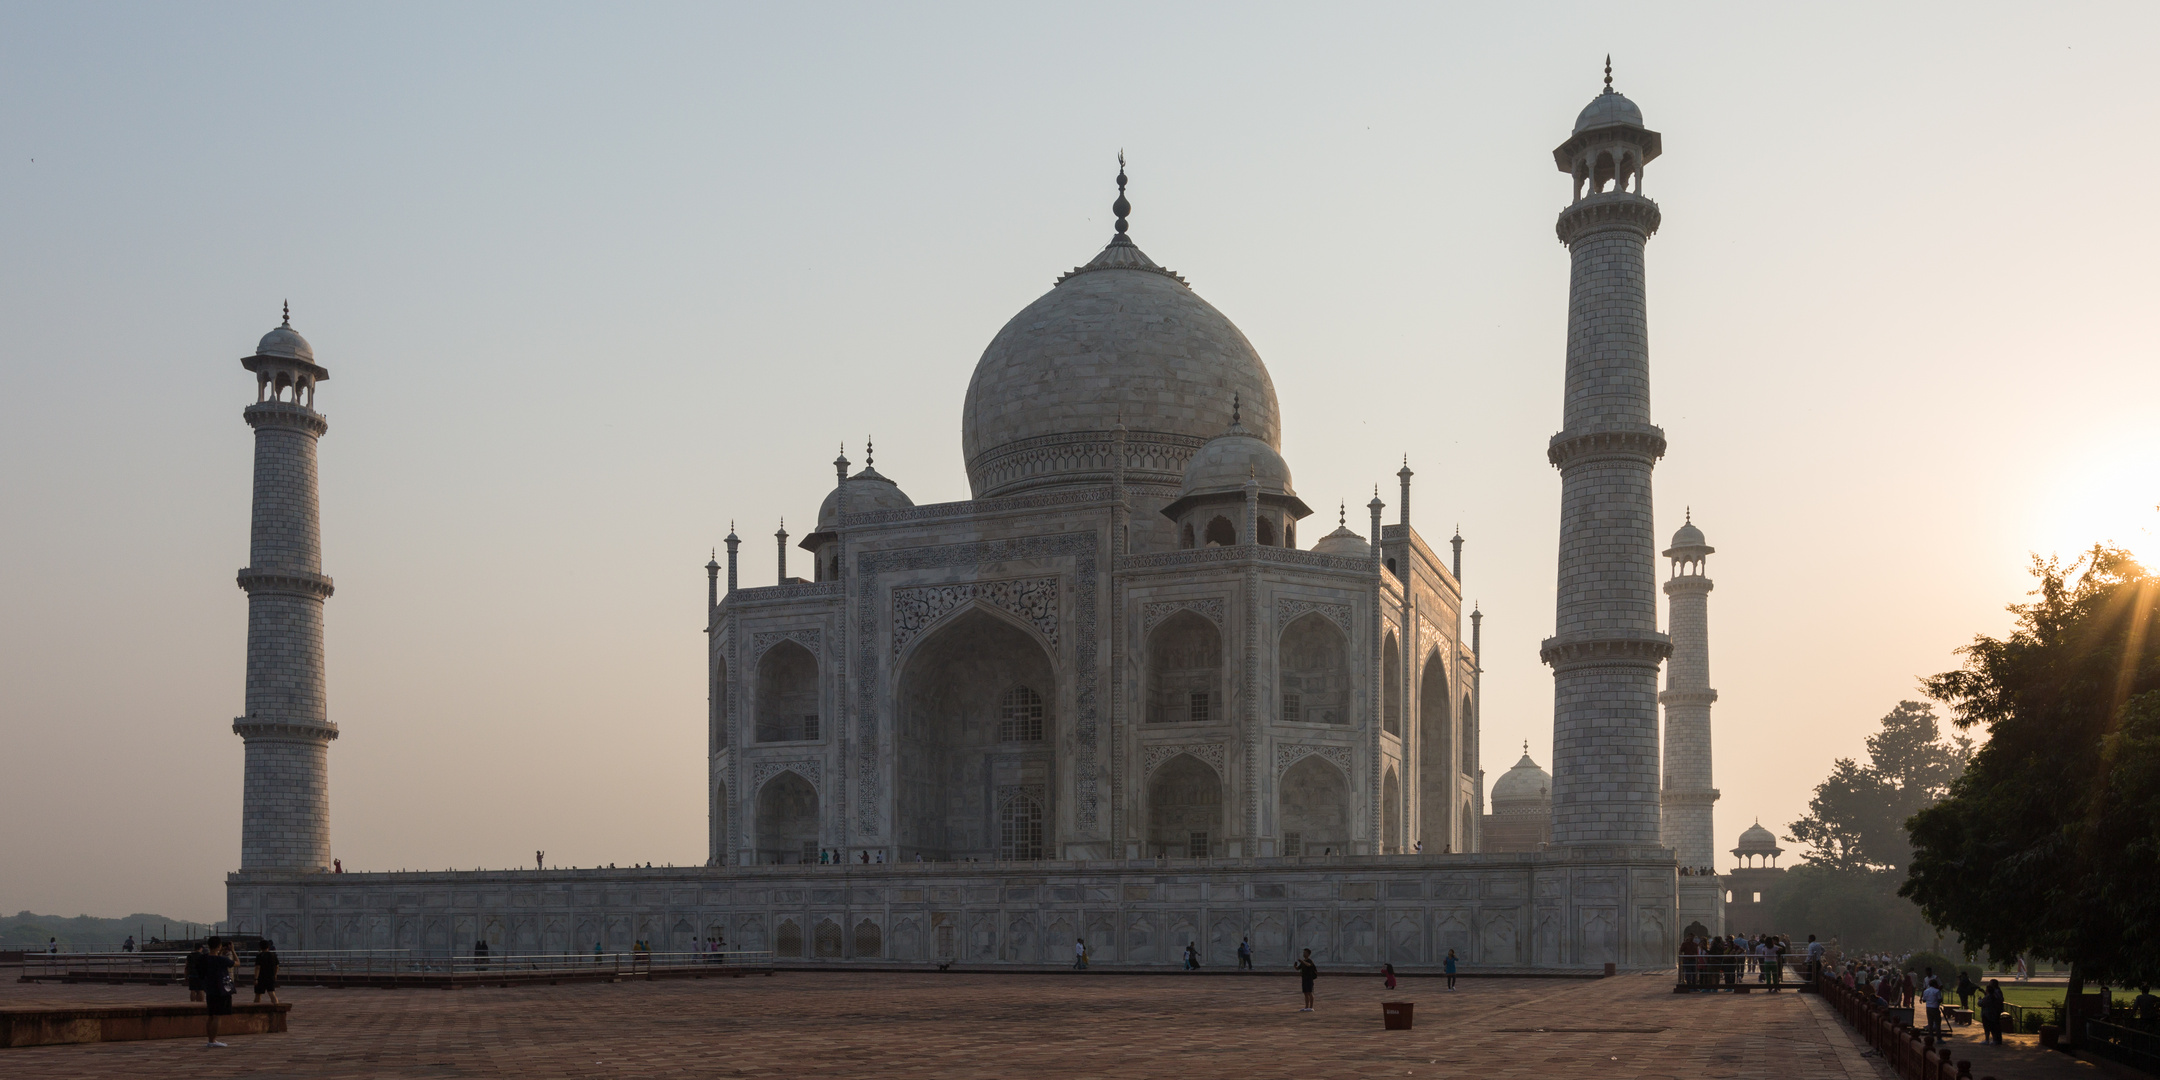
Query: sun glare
pixel 2107 495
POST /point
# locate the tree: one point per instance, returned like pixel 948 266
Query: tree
pixel 2046 845
pixel 1856 821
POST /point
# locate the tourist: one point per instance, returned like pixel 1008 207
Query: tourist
pixel 1079 954
pixel 2145 1007
pixel 194 972
pixel 595 952
pixel 1307 972
pixel 1814 958
pixel 217 983
pixel 1690 962
pixel 1244 954
pixel 129 944
pixel 1932 998
pixel 337 866
pixel 52 946
pixel 1192 957
pixel 1774 964
pixel 1449 966
pixel 1420 849
pixel 1387 976
pixel 1906 1000
pixel 1991 1013
pixel 266 965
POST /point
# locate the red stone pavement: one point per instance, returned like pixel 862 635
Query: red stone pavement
pixel 1098 1024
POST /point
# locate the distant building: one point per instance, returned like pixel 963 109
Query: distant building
pixel 1753 886
pixel 1521 818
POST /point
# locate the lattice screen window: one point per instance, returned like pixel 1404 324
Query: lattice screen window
pixel 1293 844
pixel 809 852
pixel 828 939
pixel 1020 828
pixel 1196 707
pixel 1197 846
pixel 869 941
pixel 1293 709
pixel 1020 716
pixel 809 726
pixel 787 941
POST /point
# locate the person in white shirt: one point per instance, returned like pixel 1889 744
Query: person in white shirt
pixel 1932 996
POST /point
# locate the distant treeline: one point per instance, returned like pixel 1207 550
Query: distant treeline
pixel 27 930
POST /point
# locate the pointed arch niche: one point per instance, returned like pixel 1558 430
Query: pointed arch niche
pixel 1184 809
pixel 1185 671
pixel 1391 687
pixel 1314 811
pixel 787 820
pixel 1435 753
pixel 1313 666
pixel 787 694
pixel 962 785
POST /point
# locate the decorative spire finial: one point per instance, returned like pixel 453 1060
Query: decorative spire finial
pixel 1342 514
pixel 869 452
pixel 1608 73
pixel 1121 207
pixel 288 313
pixel 1691 515
pixel 1237 405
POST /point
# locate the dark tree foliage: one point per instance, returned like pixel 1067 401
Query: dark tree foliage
pixel 1856 821
pixel 2047 844
pixel 1859 909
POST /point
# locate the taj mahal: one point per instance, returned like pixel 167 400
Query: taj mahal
pixel 1114 696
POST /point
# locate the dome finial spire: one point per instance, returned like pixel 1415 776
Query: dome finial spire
pixel 869 451
pixel 1608 73
pixel 1237 406
pixel 1690 515
pixel 1121 207
pixel 288 313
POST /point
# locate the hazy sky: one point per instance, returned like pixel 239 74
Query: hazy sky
pixel 591 281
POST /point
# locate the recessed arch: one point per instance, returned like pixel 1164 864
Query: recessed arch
pixel 1313 671
pixel 787 694
pixel 719 710
pixel 1391 688
pixel 1264 531
pixel 1435 753
pixel 1314 807
pixel 1468 740
pixel 1467 837
pixel 787 820
pixel 1184 808
pixel 1390 813
pixel 1220 533
pixel 1185 671
pixel 718 826
pixel 957 775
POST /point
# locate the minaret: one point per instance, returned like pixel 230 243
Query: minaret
pixel 1606 647
pixel 285 793
pixel 1687 697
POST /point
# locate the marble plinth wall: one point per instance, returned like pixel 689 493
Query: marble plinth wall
pixel 1566 909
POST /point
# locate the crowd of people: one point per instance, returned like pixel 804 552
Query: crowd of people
pixel 1712 961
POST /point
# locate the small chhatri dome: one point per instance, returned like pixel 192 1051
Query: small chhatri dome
pixel 866 491
pixel 1688 541
pixel 285 343
pixel 1757 840
pixel 1233 457
pixel 1342 541
pixel 1608 108
pixel 1523 784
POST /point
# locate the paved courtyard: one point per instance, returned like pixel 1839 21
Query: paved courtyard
pixel 852 1024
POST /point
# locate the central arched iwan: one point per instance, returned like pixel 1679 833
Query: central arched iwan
pixel 978 731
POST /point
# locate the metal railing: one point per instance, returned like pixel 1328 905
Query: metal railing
pixel 1910 1054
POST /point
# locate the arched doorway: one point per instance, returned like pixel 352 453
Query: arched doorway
pixel 1436 756
pixel 1185 671
pixel 1184 809
pixel 1313 665
pixel 787 694
pixel 1315 808
pixel 1468 740
pixel 1391 688
pixel 978 724
pixel 787 820
pixel 1390 814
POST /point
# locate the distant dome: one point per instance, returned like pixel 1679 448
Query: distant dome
pixel 1229 459
pixel 1607 109
pixel 285 343
pixel 1688 537
pixel 1343 542
pixel 1757 840
pixel 1523 784
pixel 1117 340
pixel 867 490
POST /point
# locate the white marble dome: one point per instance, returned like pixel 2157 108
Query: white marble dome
pixel 1756 840
pixel 1234 456
pixel 1525 783
pixel 1119 339
pixel 1343 542
pixel 285 343
pixel 1688 536
pixel 867 490
pixel 1606 109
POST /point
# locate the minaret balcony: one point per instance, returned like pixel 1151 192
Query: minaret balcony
pixel 1621 648
pixel 296 582
pixel 1687 697
pixel 1608 210
pixel 1643 443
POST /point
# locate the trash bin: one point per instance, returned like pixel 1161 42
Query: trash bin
pixel 1396 1015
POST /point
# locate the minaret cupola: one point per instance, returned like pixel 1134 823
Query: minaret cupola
pixel 284 366
pixel 1609 147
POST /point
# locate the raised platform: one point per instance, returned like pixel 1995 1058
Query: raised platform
pixel 43 1025
pixel 1553 910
